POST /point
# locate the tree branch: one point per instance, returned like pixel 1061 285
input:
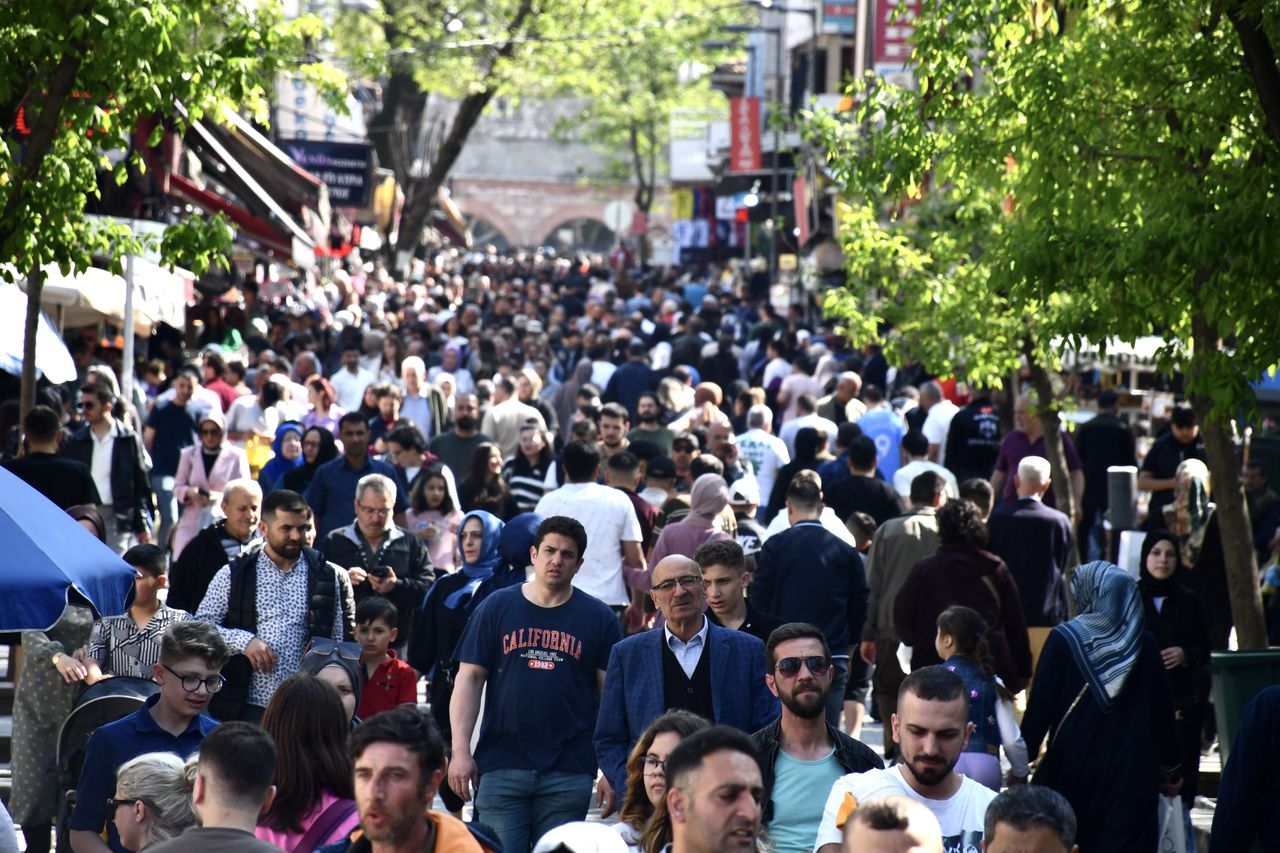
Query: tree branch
pixel 1260 57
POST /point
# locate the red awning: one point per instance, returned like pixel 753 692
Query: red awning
pixel 261 230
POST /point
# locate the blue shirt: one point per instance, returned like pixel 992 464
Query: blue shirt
pixel 175 428
pixel 332 493
pixel 113 745
pixel 544 666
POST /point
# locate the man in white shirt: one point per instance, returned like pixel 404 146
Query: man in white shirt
pixel 807 409
pixel 351 380
pixel 613 530
pixel 937 422
pixel 931 729
pixel 915 451
pixel 766 452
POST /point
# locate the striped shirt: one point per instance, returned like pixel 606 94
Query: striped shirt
pixel 122 648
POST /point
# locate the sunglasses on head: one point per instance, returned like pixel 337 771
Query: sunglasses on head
pixel 790 667
pixel 324 647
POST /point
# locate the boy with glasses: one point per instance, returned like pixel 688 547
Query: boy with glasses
pixel 800 751
pixel 189 673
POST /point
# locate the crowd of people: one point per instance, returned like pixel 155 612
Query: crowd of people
pixel 651 544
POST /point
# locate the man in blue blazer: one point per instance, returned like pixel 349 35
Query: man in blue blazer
pixel 688 663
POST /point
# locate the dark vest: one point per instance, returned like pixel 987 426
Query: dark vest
pixel 982 705
pixel 242 601
pixel 681 691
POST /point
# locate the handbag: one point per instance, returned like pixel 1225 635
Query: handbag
pixel 1173 838
pixel 1042 775
pixel 324 825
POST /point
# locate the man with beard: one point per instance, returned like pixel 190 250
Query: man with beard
pixel 714 792
pixel 931 729
pixel 613 423
pixel 399 764
pixel 456 446
pixel 270 601
pixel 648 427
pixel 801 752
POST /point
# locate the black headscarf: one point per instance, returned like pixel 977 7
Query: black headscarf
pixel 1149 585
pixel 297 479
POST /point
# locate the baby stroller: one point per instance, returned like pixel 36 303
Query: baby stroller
pixel 105 702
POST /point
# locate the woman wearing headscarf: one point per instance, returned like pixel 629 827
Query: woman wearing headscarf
pixel 1103 699
pixel 565 401
pixel 204 469
pixel 1173 616
pixel 51 679
pixel 318 447
pixel 446 608
pixel 1193 519
pixel 707 499
pixel 287 455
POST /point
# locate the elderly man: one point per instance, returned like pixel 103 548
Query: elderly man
pixel 765 452
pixel 689 663
pixel 380 557
pixel 216 544
pixel 1034 541
pixel 842 405
pixel 423 404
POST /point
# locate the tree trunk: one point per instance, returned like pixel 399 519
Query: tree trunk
pixel 1051 424
pixel 35 287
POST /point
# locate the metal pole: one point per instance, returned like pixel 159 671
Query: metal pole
pixel 860 40
pixel 777 152
pixel 126 367
pixel 813 53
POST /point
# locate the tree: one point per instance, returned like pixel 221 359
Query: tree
pixel 1138 148
pixel 632 84
pixel 78 77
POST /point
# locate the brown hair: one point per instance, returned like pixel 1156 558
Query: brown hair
pixel 306 720
pixel 636 808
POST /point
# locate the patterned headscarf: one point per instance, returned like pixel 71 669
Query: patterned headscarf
pixel 1106 637
pixel 1191 510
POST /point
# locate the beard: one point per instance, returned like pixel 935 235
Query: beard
pixel 466 423
pixel 807 704
pixel 647 418
pixel 930 774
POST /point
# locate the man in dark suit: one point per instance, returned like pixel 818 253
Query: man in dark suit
pixel 688 663
pixel 1034 541
pixel 64 481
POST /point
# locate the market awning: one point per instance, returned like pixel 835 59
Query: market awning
pixel 90 296
pixel 53 361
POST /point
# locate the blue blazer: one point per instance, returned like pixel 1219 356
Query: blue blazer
pixel 633 696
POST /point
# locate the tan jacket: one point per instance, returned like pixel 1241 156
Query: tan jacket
pixel 898 545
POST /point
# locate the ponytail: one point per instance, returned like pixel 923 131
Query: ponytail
pixel 969 631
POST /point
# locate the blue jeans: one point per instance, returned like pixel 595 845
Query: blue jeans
pixel 521 806
pixel 162 485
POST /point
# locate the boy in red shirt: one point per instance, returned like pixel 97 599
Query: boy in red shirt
pixel 389 681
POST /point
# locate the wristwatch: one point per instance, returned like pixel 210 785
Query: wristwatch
pixel 57 656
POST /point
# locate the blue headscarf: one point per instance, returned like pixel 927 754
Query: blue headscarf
pixel 514 545
pixel 1106 637
pixel 275 469
pixel 490 556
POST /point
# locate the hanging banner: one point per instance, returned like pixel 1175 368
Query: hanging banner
pixel 895 24
pixel 840 18
pixel 744 124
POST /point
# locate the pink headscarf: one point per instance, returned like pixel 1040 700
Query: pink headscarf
pixel 709 496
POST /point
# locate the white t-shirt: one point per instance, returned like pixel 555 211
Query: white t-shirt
pixel 937 424
pixel 960 817
pixel 767 454
pixel 610 520
pixel 903 476
pixel 350 387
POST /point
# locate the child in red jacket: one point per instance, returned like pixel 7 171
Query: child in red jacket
pixel 389 681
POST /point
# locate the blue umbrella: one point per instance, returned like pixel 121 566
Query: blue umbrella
pixel 44 555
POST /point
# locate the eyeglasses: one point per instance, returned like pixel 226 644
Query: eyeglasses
pixel 375 510
pixel 654 766
pixel 682 448
pixel 790 667
pixel 684 582
pixel 325 647
pixel 88 405
pixel 214 431
pixel 191 683
pixel 114 803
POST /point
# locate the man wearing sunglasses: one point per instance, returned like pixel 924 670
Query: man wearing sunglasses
pixel 688 663
pixel 192 654
pixel 801 752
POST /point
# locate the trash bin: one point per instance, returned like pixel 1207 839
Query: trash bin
pixel 1237 678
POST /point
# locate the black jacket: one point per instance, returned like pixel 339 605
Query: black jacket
pixel 854 756
pixel 66 482
pixel 191 573
pixel 407 556
pixel 131 495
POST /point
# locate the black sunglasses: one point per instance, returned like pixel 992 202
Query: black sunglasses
pixel 324 647
pixel 113 803
pixel 790 667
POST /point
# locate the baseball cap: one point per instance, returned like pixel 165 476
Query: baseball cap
pixel 661 468
pixel 744 491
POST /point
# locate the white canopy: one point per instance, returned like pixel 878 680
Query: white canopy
pixel 52 358
pixel 86 297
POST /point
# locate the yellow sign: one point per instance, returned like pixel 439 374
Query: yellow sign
pixel 681 204
pixel 787 262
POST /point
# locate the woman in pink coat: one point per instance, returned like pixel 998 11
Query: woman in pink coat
pixel 204 469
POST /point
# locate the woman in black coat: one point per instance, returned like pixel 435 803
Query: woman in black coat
pixel 1172 613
